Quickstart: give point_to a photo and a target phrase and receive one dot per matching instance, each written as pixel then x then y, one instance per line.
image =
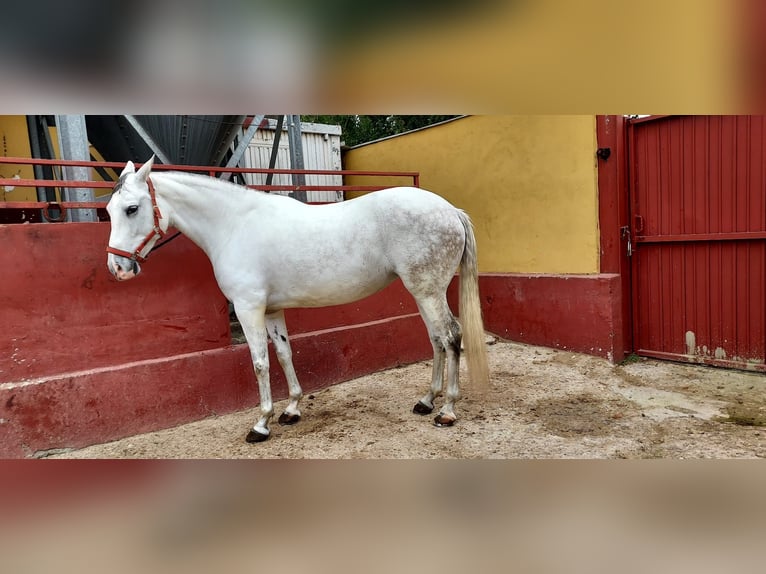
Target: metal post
pixel 35 144
pixel 236 156
pixel 73 144
pixel 275 149
pixel 49 172
pixel 296 155
pixel 225 144
pixel 158 152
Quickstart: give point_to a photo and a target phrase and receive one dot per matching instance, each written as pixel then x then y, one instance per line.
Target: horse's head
pixel 135 221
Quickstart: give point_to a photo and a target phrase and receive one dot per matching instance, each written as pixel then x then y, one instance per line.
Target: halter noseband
pixel 155 232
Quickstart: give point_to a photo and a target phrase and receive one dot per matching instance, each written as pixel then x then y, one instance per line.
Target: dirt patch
pixel 543 403
pixel 580 415
pixel 748 416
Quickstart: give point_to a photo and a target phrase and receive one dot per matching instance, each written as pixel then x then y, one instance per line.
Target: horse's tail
pixel 470 311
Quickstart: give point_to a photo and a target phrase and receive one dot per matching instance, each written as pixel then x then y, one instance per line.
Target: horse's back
pixel 405 207
pixel 403 198
pixel 384 219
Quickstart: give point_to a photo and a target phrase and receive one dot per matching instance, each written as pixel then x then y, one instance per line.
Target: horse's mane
pixel 209 183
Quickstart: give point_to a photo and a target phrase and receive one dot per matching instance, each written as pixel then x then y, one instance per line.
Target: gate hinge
pixel 604 153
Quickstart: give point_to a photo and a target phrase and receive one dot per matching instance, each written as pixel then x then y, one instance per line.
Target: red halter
pixel 155 232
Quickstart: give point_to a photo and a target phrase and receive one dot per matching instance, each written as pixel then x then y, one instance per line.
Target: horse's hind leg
pixel 275 325
pixel 446 416
pixel 426 405
pixel 446 337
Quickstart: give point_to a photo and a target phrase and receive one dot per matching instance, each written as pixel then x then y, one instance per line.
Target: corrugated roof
pixel 185 140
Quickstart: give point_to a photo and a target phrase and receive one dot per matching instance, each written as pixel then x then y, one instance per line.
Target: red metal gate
pixel 698 225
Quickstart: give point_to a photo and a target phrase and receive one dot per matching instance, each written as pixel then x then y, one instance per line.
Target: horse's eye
pixel 131 209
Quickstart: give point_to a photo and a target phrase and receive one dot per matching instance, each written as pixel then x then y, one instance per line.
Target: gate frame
pixel 614 218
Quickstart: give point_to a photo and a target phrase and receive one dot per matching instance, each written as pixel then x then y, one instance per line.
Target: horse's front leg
pixel 253 323
pixel 277 330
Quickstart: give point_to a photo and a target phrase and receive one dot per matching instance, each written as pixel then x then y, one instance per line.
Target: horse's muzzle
pixel 123 269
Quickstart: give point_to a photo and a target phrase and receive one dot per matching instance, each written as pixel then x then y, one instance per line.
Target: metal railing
pixel 62 206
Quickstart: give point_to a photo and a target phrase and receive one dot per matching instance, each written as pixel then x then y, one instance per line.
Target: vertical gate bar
pixel 43 193
pixel 688 288
pixel 729 302
pixel 757 211
pixel 660 192
pixel 296 156
pixel 634 262
pixel 742 250
pixel 705 220
pixel 34 144
pixel 47 150
pixel 275 148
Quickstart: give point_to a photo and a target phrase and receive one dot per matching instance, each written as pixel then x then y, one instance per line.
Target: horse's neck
pixel 198 209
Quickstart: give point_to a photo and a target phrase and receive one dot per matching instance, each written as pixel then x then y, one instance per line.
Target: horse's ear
pixel 129 168
pixel 144 170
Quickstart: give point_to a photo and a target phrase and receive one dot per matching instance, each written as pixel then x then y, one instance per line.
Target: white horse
pixel 271 252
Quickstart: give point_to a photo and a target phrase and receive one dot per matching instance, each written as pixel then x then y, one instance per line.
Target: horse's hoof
pixel 421 408
pixel 255 436
pixel 444 420
pixel 288 419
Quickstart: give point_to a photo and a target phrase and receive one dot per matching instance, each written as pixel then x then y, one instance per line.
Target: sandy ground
pixel 543 403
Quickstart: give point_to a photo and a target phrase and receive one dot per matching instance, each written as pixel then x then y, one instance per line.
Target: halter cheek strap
pixel 156 231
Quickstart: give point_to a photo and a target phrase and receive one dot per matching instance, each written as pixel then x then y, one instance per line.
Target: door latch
pixel 625 234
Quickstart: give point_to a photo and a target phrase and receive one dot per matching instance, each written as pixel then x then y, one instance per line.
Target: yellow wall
pixel 15 143
pixel 528 182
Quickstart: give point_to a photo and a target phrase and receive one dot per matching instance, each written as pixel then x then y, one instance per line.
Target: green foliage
pixel 630 359
pixel 361 129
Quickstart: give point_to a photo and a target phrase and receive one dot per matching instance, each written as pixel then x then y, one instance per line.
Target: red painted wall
pixel 77 409
pixel 62 311
pixel 579 313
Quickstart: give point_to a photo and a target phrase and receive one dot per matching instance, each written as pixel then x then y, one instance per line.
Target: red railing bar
pixel 54 183
pixel 212 171
pixel 44 204
pixel 102 204
pixel 205 169
pixel 110 184
pixel 286 171
pixel 61 162
pixel 316 187
pixel 692 237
